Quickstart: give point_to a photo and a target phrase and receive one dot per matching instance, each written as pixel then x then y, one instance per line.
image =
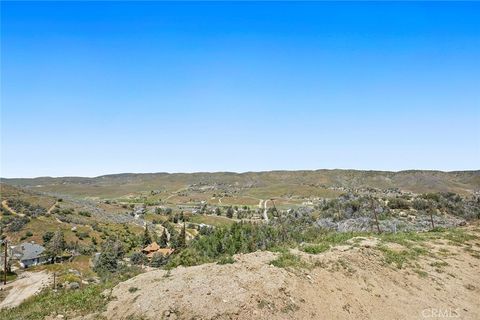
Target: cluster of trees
pixel 170 237
pixel 243 237
pixel 352 206
pixel 108 261
pixel 244 212
pixel 158 259
pixel 13 223
pixel 63 211
pixel 163 211
pixel 453 204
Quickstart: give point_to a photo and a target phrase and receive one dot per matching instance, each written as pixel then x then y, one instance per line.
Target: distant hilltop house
pixel 154 248
pixel 28 254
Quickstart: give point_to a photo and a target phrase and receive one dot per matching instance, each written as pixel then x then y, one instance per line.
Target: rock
pixel 73 285
pixel 73 271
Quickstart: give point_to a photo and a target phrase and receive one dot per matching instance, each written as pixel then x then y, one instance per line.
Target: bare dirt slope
pixel 23 288
pixel 347 282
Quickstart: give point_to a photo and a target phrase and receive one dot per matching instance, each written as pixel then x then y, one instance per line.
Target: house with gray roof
pixel 29 254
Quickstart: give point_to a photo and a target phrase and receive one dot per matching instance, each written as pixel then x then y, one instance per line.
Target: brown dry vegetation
pixel 260 184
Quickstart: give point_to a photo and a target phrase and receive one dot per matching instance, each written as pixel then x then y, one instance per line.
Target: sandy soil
pixel 28 284
pixel 347 282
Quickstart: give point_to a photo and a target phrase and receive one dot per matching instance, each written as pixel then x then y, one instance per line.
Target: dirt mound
pixel 351 282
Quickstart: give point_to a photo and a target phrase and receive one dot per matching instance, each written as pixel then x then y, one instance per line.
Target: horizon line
pixel 239 172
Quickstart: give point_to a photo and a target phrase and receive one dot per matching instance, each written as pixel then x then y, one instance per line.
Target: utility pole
pixel 184 233
pixel 431 218
pixel 5 243
pixel 375 214
pixel 275 208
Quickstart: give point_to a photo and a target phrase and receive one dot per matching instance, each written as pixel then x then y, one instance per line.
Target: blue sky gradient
pixel 91 88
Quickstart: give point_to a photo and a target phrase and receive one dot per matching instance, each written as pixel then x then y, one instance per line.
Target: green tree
pixel 158 260
pixel 47 236
pixel 163 241
pixel 138 258
pixel 230 212
pixel 112 251
pixel 147 238
pixel 182 238
pixel 56 245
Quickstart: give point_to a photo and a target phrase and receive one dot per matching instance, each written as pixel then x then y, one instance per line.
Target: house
pixel 28 254
pixel 153 248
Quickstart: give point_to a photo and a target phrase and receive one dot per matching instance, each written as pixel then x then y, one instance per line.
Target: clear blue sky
pixel 101 87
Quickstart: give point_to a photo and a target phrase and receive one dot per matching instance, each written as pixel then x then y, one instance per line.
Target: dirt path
pixel 174 193
pixel 24 287
pixel 5 205
pixel 260 202
pixel 265 215
pixel 52 207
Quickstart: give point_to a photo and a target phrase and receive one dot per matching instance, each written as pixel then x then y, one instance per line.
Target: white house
pixel 29 254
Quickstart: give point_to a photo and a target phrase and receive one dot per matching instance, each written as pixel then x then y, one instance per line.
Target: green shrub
pixel 289 260
pixel 226 260
pixel 398 203
pixel 138 258
pixel 85 213
pixel 315 249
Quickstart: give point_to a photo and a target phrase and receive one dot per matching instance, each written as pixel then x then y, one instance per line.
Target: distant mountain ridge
pixel 418 181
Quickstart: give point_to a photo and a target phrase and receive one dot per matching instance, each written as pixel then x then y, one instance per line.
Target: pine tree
pixel 182 238
pixel 56 245
pixel 163 241
pixel 230 212
pixel 147 239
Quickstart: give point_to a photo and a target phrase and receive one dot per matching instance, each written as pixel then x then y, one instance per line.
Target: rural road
pixel 265 215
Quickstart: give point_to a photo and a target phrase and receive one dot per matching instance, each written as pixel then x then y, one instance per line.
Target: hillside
pixel 415 275
pixel 280 244
pixel 352 280
pixel 275 183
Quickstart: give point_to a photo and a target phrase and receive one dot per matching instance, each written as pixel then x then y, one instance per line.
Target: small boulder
pixel 73 285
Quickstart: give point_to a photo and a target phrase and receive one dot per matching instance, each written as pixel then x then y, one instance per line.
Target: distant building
pixel 28 254
pixel 153 248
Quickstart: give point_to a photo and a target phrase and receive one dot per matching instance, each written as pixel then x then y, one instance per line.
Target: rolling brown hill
pixel 116 185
